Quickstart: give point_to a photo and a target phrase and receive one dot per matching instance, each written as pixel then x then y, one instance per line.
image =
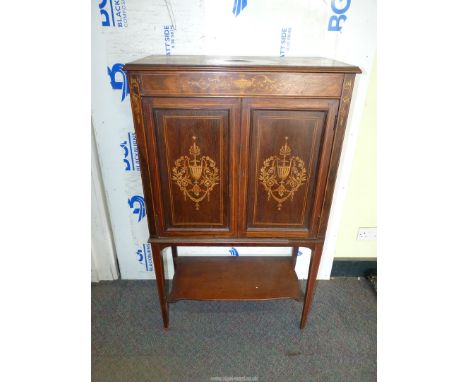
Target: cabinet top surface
pixel 242 63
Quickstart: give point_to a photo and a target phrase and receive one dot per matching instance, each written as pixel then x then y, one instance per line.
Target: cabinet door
pixel 193 156
pixel 286 153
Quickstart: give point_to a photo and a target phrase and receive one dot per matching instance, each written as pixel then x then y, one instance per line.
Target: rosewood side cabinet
pixel 238 151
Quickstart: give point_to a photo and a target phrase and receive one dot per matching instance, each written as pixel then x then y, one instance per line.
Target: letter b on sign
pixel 334 23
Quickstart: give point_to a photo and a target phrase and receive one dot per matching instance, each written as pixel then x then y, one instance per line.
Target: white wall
pixel 263 27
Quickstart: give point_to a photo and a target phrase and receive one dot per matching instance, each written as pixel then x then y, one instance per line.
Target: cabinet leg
pixel 159 269
pixel 174 254
pixel 295 250
pixel 311 281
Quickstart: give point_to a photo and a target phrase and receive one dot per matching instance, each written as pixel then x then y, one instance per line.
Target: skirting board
pixel 354 267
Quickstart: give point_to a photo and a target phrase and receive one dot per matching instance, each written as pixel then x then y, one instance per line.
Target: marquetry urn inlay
pixel 282 175
pixel 196 176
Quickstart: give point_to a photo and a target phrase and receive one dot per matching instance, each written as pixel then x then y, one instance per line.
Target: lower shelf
pixel 234 278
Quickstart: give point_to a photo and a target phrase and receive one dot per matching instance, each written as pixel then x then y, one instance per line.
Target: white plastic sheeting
pixel 123 31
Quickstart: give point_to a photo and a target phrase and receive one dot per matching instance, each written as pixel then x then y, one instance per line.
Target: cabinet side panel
pixel 141 136
pixel 336 151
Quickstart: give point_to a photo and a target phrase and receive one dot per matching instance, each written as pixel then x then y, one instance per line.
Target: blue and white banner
pixel 285 41
pixel 130 153
pixel 239 6
pixel 118 79
pixel 145 257
pixel 169 39
pixel 339 9
pixel 123 31
pixel 137 204
pixel 113 13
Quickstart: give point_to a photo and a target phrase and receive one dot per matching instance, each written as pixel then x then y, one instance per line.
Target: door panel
pixel 283 156
pixel 286 145
pixel 195 152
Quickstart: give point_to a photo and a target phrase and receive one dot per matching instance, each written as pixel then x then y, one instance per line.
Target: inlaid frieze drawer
pixel 241 84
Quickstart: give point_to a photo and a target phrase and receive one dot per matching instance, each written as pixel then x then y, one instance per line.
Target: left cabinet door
pixel 193 155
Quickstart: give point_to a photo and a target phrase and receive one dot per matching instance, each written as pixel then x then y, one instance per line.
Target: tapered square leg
pixel 311 281
pixel 295 250
pixel 174 255
pixel 159 270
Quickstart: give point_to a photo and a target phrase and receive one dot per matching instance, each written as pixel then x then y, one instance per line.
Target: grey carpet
pixel 233 339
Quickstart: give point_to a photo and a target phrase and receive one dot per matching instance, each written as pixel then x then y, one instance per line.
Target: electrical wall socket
pixel 367 233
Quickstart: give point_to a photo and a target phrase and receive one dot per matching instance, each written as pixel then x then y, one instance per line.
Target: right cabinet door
pixel 286 147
